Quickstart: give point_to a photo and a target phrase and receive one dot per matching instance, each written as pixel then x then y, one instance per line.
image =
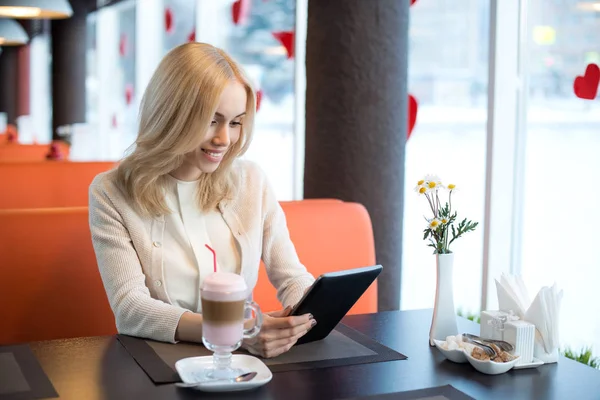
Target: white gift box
pixel 490 324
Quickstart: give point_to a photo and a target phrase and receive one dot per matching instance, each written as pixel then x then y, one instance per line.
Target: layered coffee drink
pixel 224 305
pixel 223 297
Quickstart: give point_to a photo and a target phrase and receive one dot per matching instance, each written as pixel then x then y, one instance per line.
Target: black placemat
pixel 446 392
pixel 21 375
pixel 344 346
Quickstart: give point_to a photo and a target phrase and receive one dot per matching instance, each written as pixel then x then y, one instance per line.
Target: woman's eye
pixel 236 124
pixel 213 123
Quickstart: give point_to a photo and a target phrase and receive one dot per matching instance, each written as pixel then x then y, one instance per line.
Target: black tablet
pixel 331 297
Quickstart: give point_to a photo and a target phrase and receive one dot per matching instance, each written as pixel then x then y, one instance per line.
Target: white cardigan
pixel 129 251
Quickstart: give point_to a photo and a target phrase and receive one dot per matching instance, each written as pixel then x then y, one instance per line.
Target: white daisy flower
pixel 432 182
pixel 434 224
pixel 421 189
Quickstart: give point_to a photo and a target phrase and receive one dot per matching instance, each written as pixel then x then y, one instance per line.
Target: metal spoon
pixel 489 350
pixel 500 343
pixel 242 378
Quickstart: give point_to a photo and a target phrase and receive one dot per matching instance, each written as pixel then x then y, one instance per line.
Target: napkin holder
pixel 521 334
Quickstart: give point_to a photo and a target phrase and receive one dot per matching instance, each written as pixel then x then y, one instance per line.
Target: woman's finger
pixel 286 322
pixel 275 344
pixel 297 329
pixel 271 348
pixel 280 313
pixel 270 353
pixel 270 334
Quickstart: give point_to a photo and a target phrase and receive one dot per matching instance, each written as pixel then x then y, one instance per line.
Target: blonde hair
pixel 175 114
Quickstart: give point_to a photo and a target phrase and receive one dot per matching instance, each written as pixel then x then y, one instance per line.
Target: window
pixel 561 197
pixel 253 43
pixel 545 196
pixel 448 69
pixel 111 92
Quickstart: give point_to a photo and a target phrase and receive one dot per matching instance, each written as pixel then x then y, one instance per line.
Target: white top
pixel 186 260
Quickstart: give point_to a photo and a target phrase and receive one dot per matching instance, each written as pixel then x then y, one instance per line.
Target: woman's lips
pixel 213 155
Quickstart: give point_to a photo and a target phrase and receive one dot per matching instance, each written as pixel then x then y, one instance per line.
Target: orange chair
pixel 14 152
pixel 47 184
pixel 329 235
pixel 51 288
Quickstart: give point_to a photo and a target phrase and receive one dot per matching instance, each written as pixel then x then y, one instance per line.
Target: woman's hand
pixel 279 333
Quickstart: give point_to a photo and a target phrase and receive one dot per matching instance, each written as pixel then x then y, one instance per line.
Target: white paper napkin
pixel 543 312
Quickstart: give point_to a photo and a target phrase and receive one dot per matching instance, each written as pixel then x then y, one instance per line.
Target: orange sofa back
pixel 50 286
pixel 329 235
pixel 47 184
pixel 15 152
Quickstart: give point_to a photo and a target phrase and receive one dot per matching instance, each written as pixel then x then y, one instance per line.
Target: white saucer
pixel 190 371
pixel 533 364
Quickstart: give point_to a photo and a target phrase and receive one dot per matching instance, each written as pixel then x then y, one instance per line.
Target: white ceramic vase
pixel 443 323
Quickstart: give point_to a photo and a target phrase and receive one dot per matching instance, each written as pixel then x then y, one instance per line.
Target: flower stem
pixel 431 205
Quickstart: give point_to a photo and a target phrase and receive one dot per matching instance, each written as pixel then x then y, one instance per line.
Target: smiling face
pixel 224 132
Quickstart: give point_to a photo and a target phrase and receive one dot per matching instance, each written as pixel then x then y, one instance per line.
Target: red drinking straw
pixel 214 257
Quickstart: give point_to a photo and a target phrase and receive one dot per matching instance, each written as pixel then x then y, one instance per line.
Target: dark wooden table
pixel 100 368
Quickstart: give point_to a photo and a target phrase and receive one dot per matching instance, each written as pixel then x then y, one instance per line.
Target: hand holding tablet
pixel 331 297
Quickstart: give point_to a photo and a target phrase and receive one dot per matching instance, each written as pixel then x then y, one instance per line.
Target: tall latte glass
pixel 224 306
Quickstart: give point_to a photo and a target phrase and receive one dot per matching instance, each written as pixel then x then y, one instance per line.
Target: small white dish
pixel 457 355
pixel 490 367
pixel 190 370
pixel 536 362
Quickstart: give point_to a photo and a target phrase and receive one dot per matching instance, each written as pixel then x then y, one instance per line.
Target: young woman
pixel 183 186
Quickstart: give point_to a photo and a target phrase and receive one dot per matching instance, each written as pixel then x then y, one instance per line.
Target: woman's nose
pixel 222 136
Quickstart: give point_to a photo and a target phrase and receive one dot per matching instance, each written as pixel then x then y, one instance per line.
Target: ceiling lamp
pixel 12 33
pixel 35 9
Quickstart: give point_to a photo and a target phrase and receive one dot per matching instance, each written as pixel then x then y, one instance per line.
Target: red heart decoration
pixel 168 20
pixel 412 2
pixel 192 36
pixel 259 95
pixel 123 45
pixel 586 87
pixel 128 93
pixel 240 10
pixel 11 133
pixel 54 153
pixel 413 108
pixel 286 38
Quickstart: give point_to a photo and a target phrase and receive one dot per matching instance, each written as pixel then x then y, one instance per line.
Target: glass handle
pixel 252 332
